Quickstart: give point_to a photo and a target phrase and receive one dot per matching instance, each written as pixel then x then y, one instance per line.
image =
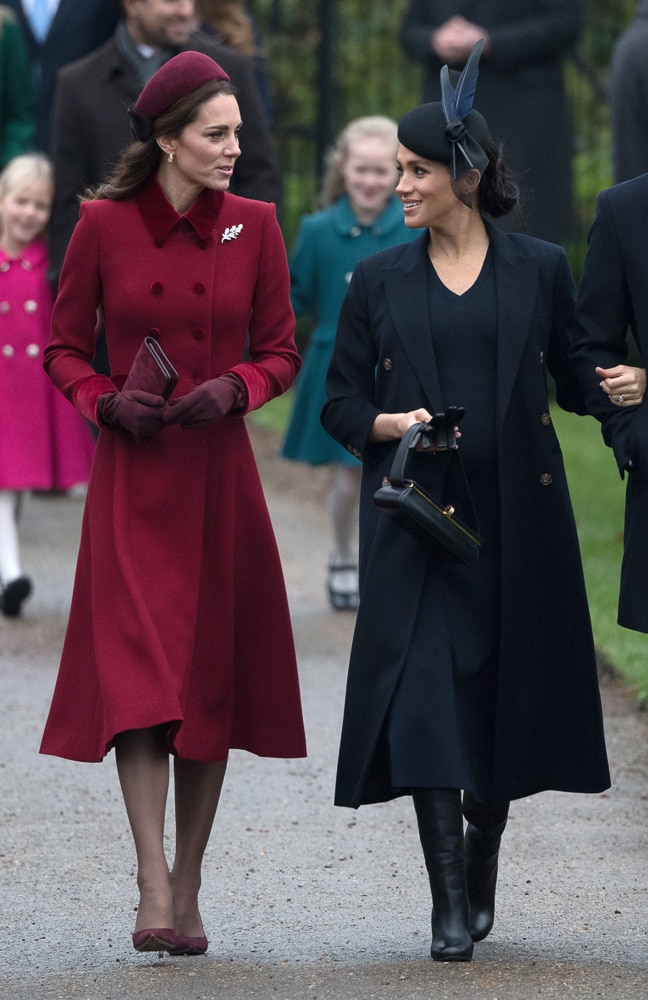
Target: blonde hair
pixel 24 170
pixel 371 126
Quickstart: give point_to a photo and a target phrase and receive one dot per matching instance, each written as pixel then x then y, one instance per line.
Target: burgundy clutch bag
pixel 151 370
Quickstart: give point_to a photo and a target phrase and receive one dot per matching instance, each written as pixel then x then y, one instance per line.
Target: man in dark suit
pixel 72 29
pixel 90 126
pixel 613 299
pixel 521 89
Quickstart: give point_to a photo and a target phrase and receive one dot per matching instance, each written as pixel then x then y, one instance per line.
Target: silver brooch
pixel 231 232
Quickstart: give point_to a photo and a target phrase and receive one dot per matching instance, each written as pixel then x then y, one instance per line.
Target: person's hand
pixel 392 427
pixel 455 39
pixel 206 404
pixel 624 384
pixel 140 413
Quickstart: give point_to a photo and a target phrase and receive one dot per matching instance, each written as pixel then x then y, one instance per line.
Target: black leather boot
pixel 440 823
pixel 482 843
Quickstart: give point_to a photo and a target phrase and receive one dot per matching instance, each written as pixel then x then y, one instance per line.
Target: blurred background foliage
pixel 369 74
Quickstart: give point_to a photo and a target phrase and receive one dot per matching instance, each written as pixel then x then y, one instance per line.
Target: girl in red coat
pixel 179 641
pixel 44 444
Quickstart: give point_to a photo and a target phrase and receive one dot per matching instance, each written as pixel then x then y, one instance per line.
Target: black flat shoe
pixel 14 594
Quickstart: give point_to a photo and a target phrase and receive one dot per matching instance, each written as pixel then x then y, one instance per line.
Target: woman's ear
pixel 466 187
pixel 166 145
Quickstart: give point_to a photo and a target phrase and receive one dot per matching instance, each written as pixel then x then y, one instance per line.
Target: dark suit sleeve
pixel 72 168
pixel 569 394
pixel 603 315
pixel 547 34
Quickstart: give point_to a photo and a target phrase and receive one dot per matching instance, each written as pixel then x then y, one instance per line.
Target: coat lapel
pixel 516 279
pixel 407 300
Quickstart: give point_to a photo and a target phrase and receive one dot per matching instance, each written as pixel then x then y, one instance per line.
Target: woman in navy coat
pixel 482 678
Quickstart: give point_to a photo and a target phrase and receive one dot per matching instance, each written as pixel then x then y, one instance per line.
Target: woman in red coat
pixel 179 640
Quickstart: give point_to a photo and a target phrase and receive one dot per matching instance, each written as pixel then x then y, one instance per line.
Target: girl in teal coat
pixel 16 97
pixel 361 215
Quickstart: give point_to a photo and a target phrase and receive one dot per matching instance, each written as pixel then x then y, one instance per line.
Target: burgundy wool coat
pixel 179 615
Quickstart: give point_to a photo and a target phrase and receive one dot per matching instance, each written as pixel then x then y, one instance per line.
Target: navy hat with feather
pixel 450 130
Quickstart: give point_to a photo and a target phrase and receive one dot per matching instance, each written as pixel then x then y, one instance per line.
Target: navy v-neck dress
pixel 440 725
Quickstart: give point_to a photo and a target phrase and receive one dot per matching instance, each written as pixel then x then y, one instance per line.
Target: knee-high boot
pixel 486 824
pixel 440 823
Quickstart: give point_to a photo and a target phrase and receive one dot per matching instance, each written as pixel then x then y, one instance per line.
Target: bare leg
pixel 143 769
pixel 197 791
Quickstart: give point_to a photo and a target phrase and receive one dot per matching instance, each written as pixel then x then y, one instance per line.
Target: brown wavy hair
pixel 141 160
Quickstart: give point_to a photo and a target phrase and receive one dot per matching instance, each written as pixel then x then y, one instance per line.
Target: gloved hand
pixel 207 403
pixel 140 413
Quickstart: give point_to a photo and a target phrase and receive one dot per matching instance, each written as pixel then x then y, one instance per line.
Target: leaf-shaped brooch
pixel 231 232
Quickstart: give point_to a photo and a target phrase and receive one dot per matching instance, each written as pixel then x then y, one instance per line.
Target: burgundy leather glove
pixel 207 403
pixel 140 413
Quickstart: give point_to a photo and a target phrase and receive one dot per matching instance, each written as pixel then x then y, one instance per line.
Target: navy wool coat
pixel 613 300
pixel 548 721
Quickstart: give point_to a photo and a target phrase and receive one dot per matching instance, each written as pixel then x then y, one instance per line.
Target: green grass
pixel 598 495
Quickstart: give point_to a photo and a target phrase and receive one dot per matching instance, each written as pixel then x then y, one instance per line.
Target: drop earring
pixel 170 157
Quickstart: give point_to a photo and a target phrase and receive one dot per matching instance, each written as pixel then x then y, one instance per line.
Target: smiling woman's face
pixel 425 189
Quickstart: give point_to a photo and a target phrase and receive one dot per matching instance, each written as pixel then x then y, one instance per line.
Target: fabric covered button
pixel 199 288
pixel 30 306
pixel 158 243
pixel 197 378
pixel 546 479
pixel 157 287
pixel 154 332
pixel 4 267
pixel 199 333
pixel 356 231
pixel 26 265
pixel 545 419
pixel 387 364
pixel 7 351
pixel 4 307
pixel 32 350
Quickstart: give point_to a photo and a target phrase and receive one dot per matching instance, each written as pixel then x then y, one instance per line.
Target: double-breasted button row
pixel 25 264
pixel 545 419
pixel 387 364
pixel 30 306
pixel 32 350
pixel 157 288
pixel 546 479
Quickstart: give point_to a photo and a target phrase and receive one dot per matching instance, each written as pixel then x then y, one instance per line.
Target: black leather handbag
pixel 432 521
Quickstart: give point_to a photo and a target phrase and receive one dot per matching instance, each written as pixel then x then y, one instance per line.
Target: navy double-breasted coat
pixel 548 724
pixel 612 301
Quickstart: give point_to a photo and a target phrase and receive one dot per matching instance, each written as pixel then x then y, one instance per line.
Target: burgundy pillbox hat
pixel 181 75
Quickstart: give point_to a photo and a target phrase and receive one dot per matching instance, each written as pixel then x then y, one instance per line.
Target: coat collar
pixel 34 255
pixel 516 279
pixel 346 224
pixel 161 218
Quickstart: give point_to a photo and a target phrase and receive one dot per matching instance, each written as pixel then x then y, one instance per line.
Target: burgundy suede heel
pixel 189 945
pixel 155 939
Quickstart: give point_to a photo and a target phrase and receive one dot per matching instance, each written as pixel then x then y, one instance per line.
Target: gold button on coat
pixel 387 364
pixel 545 419
pixel 546 479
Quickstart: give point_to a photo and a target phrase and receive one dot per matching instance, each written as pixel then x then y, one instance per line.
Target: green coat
pixel 16 95
pixel 328 246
